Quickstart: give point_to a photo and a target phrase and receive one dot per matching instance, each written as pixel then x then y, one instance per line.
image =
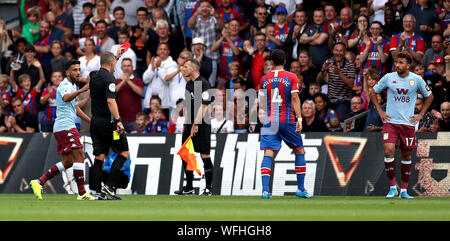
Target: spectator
pixel 236 81
pixel 64 17
pixel 156 125
pixel 58 62
pixel 241 110
pixel 88 12
pixel 292 43
pixel 444 123
pixel 129 90
pixel 204 24
pixel 48 100
pixel 446 18
pixel 377 8
pixel 163 36
pixel 42 46
pixel 331 15
pixel 28 67
pixel 310 123
pixel 408 40
pixel 206 63
pixel 30 30
pixel 87 32
pixel 139 38
pixel 219 124
pixel 5 95
pixel 176 124
pixel 335 125
pixel 254 59
pixel 427 120
pixel 261 14
pixel 101 12
pixel 80 16
pixel 392 25
pixel 364 10
pixel 357 86
pixel 26 92
pixel 90 61
pixel 70 46
pixel 130 7
pixel 375 49
pixel 272 42
pixel 343 31
pixel 22 121
pixel 118 23
pixel 371 77
pixel 157 79
pixel 323 108
pixel 268 66
pixel 313 89
pixel 150 5
pixel 316 36
pixel 398 11
pixel 356 108
pixel 230 46
pixel 184 10
pixel 435 51
pixel 141 118
pixel 124 36
pixel 17 47
pixel 228 11
pixel 308 71
pixel 428 22
pixel 290 6
pixel 177 85
pixel 3 117
pixel 361 32
pixel 282 26
pixel 339 74
pixel 106 42
pixel 373 120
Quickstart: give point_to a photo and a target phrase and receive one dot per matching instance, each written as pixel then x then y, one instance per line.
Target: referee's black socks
pixel 207 164
pixel 115 170
pixel 97 176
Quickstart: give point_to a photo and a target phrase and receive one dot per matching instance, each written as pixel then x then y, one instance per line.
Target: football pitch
pixel 58 207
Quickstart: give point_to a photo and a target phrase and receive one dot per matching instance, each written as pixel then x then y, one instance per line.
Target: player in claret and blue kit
pixel 399 119
pixel 283 121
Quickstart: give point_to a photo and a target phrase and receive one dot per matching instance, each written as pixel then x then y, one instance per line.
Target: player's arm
pixel 82 115
pixel 114 109
pixel 295 99
pixel 380 86
pixel 70 96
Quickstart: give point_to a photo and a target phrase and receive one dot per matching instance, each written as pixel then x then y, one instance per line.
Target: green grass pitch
pixel 223 208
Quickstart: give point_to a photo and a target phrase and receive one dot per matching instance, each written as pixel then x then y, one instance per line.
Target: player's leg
pixel 294 140
pixel 78 173
pixel 407 145
pixel 266 169
pixel 390 140
pixel 389 165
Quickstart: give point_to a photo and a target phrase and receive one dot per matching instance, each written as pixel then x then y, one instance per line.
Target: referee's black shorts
pixel 202 140
pixel 102 137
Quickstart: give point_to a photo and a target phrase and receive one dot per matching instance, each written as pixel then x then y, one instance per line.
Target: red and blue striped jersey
pixel 281 33
pixel 277 86
pixel 7 96
pixel 373 57
pixel 29 99
pixel 50 106
pixel 233 12
pixel 227 56
pixel 416 43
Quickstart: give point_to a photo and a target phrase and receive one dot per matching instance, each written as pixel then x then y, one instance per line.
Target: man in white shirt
pixel 124 36
pixel 158 76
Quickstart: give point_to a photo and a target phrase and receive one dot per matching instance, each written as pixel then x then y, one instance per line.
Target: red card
pixel 125 46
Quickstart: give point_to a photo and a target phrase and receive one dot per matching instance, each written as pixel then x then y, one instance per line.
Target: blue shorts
pixel 286 132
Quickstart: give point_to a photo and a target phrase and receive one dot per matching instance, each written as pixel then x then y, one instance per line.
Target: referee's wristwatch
pixel 115 121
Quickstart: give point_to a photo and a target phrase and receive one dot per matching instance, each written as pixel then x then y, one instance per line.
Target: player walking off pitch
pixel 66 133
pixel 399 119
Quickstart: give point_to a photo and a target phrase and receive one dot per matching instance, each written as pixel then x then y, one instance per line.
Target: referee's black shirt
pixel 102 86
pixel 205 97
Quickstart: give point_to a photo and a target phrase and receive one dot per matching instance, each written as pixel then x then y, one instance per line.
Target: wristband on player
pixel 299 119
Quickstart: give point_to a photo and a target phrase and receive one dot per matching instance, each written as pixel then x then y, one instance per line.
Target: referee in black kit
pixel 196 127
pixel 106 128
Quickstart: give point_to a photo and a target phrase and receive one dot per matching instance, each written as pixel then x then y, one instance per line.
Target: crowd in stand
pixel 333 47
